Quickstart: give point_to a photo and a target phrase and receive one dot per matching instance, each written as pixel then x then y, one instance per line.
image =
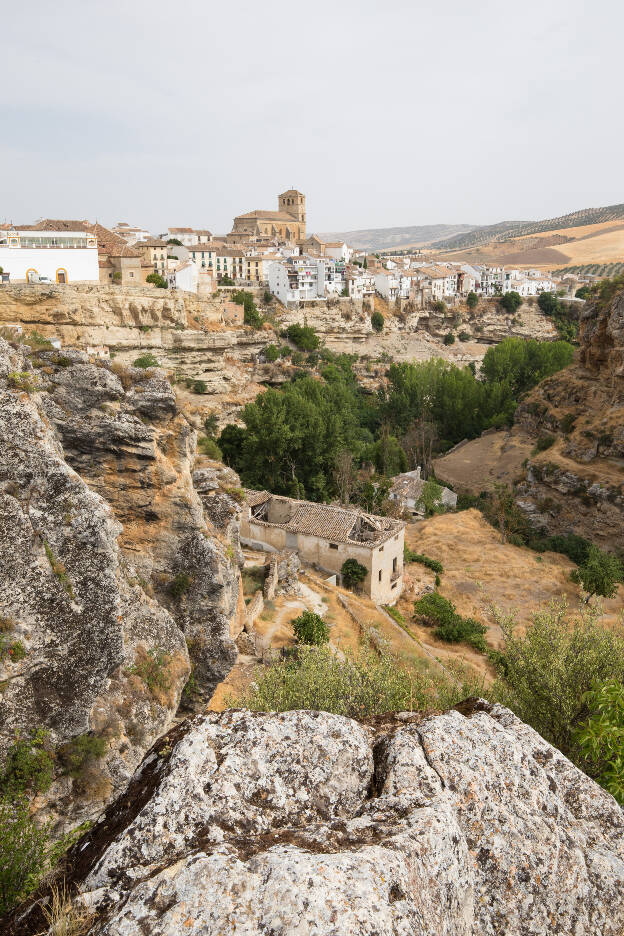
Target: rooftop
pixel 267 215
pixel 338 524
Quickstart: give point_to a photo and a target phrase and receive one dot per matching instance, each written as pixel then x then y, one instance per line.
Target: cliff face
pixel 305 822
pixel 195 337
pixel 577 484
pixel 116 577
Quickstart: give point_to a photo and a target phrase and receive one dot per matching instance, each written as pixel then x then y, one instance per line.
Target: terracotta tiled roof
pixel 181 231
pixel 257 497
pixel 111 244
pixel 52 224
pixel 153 242
pixel 335 524
pixel 267 216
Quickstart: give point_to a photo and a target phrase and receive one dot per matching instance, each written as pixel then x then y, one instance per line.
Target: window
pixel 333 545
pixel 394 585
pixel 380 575
pixel 394 564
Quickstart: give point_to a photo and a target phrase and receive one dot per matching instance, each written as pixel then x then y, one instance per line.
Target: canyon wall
pixel 119 578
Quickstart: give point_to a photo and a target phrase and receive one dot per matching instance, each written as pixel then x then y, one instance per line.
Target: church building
pixel 288 223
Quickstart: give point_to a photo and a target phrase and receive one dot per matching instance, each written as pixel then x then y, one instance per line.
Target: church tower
pixel 293 203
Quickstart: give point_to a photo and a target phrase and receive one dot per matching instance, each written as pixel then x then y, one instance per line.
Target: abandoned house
pixel 328 536
pixel 407 490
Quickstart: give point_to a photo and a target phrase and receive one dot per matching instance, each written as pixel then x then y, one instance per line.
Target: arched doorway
pixel 61 275
pixel 29 275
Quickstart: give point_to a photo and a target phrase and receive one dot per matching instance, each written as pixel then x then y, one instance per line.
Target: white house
pixel 338 250
pixel 392 284
pixel 361 284
pixel 185 276
pixel 58 256
pixel 130 234
pixel 189 236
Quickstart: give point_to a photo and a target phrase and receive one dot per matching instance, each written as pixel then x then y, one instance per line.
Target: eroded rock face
pixel 577 485
pixel 310 823
pixel 114 580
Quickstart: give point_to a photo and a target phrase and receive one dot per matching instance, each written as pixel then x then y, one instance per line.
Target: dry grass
pixel 480 571
pixel 65 915
pixel 481 463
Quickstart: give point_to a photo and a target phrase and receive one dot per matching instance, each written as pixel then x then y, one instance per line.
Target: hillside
pixel 573 481
pixel 506 231
pixel 394 237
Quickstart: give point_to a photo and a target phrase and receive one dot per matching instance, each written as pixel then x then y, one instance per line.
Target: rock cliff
pixel 196 337
pixel 117 575
pixel 577 483
pixel 461 824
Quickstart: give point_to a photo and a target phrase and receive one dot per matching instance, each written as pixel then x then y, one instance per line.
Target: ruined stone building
pixel 328 536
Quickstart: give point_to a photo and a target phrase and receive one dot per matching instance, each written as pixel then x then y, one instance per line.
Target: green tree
pixel 377 321
pixel 472 300
pixel 583 292
pixel 157 280
pixel 311 629
pixel 431 497
pixel 175 242
pixel 303 337
pixel 353 573
pixel 231 443
pixel 271 353
pixel 365 264
pixel 600 738
pixel 546 672
pixel 511 302
pixel 599 574
pixel 449 338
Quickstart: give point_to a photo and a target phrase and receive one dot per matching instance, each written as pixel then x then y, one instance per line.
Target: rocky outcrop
pixel 116 575
pixel 461 824
pixel 602 338
pixel 577 484
pixel 190 335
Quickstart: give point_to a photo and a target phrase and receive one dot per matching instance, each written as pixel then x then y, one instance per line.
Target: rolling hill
pixel 393 238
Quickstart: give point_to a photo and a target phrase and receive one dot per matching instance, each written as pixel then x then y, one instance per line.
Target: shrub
pixel 377 321
pixel 29 765
pixel 439 306
pixel 200 386
pixel 157 280
pixel 472 300
pixel 546 673
pixel 226 280
pixel 209 448
pixel 571 545
pixel 297 358
pixel 464 336
pixel 180 584
pixel 117 276
pixel 566 423
pixel 152 668
pixel 543 442
pixel 353 573
pixel 433 564
pixel 80 753
pixel 311 629
pixel 600 739
pixel 146 360
pixel 22 380
pixel 267 297
pixel 23 851
pixel 303 337
pixel 58 569
pixel 449 338
pixel 271 353
pixel 449 625
pixel 355 685
pixel 582 293
pixel 599 573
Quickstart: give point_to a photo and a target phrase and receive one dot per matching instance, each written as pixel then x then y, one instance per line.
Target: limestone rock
pixel 109 563
pixel 310 823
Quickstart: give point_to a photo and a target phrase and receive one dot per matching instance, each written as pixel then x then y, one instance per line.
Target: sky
pixel 188 112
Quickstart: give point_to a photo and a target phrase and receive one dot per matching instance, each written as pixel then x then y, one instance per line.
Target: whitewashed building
pixel 185 276
pixel 30 256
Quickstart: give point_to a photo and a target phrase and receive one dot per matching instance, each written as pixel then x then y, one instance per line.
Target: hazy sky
pixel 187 112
